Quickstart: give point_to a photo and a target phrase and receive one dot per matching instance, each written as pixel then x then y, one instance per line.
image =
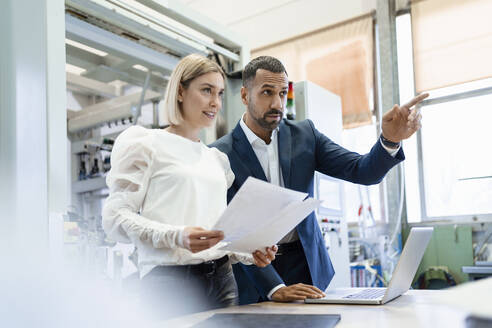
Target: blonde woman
pixel 167 189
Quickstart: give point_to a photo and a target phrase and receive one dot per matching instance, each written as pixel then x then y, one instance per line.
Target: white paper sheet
pixel 260 214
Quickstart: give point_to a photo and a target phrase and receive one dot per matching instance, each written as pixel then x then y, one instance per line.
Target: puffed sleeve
pixel 226 165
pixel 243 258
pixel 131 169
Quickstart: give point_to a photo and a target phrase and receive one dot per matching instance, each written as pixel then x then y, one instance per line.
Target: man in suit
pixel 287 153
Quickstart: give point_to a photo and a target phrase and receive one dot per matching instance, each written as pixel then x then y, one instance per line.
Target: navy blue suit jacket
pixel 302 151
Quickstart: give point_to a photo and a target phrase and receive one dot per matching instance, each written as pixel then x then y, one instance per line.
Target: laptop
pixel 400 281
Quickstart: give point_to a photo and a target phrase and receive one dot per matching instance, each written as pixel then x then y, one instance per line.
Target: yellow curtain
pixel 338 58
pixel 452 41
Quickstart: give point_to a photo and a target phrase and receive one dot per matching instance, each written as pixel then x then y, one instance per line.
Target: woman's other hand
pixel 263 259
pixel 197 239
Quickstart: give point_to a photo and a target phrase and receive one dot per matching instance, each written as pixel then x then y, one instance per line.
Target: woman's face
pixel 202 100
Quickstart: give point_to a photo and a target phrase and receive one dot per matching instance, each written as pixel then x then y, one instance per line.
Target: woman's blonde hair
pixel 188 69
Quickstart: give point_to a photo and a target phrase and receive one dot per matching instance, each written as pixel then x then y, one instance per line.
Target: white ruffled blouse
pixel 160 183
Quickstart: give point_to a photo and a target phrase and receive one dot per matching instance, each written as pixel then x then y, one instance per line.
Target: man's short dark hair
pixel 268 63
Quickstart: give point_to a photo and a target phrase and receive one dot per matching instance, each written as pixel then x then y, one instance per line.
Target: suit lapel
pixel 245 151
pixel 285 152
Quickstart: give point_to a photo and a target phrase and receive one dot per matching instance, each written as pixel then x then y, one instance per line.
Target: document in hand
pixel 260 214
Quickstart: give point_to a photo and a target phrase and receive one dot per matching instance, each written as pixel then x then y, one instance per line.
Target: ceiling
pixel 262 22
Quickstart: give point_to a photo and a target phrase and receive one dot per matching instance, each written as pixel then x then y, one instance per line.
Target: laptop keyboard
pixel 367 294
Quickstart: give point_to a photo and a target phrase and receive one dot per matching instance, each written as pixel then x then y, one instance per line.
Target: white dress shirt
pixel 268 157
pixel 160 183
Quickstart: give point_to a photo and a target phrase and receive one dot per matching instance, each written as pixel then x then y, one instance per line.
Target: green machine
pixel 449 250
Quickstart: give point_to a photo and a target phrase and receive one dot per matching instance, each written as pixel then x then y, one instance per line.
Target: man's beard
pixel 262 121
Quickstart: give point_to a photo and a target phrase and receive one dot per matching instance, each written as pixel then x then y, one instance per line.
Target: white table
pixel 416 308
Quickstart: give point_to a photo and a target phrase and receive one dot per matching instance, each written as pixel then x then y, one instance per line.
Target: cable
pixel 375 273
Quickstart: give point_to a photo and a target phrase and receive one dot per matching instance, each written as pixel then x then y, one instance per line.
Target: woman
pixel 167 189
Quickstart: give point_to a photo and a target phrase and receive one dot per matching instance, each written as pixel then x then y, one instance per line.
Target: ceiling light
pixel 140 67
pixel 74 69
pixel 86 48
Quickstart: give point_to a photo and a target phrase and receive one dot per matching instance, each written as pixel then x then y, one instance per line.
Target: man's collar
pixel 250 135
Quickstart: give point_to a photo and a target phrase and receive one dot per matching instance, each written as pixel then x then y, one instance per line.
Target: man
pixel 287 153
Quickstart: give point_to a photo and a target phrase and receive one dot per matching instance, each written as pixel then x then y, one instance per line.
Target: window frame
pixel 424 217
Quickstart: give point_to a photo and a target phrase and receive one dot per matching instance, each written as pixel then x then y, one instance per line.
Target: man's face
pixel 265 98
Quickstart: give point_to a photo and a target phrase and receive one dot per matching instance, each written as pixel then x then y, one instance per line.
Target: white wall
pixel 263 22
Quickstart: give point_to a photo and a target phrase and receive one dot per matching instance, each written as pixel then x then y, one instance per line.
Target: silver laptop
pixel 400 282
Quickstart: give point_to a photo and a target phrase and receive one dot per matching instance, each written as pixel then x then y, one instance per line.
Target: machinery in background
pixel 290 107
pixel 368 247
pixel 95 160
pixel 113 45
pixel 366 269
pixel 85 242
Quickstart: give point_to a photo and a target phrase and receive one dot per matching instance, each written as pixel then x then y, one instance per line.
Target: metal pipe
pixel 183 14
pixel 111 16
pixel 138 111
pixel 227 53
pixel 155 111
pixel 109 42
